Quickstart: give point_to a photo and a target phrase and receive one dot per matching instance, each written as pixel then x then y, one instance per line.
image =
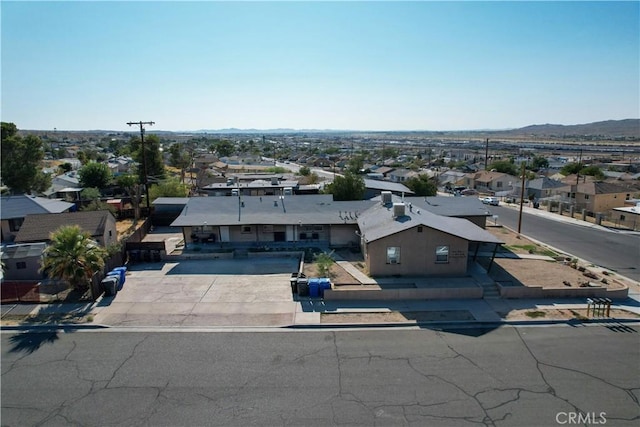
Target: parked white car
pixel 490 201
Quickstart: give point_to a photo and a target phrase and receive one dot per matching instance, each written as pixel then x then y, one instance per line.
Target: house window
pixel 628 196
pixel 393 255
pixel 21 265
pixel 246 229
pixel 442 254
pixel 622 218
pixel 419 229
pixel 499 184
pixel 14 224
pixel 110 233
pixel 586 197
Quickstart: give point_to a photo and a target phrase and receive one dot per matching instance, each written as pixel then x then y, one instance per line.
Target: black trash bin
pixel 303 286
pixel 110 285
pixel 293 281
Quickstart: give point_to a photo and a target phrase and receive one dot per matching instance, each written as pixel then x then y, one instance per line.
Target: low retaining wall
pixel 403 294
pixel 516 292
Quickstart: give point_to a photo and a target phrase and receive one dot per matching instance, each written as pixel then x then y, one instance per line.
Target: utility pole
pixel 144 158
pixel 521 199
pixel 486 155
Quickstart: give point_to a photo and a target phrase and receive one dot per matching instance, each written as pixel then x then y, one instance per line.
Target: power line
pixel 144 158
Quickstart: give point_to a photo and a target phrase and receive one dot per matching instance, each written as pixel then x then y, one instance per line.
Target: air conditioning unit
pixel 398 210
pixel 386 197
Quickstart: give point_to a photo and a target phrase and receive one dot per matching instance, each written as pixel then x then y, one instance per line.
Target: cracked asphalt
pixel 493 377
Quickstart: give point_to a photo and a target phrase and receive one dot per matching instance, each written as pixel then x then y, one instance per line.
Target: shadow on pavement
pixel 30 341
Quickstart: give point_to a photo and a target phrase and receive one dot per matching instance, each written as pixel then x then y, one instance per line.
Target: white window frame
pixel 442 254
pixel 393 254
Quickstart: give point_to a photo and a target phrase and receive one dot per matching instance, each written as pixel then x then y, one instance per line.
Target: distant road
pixel 294 167
pixel 619 252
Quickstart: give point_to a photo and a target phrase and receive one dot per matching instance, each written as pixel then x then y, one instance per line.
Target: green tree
pixel 72 256
pixel 355 164
pixel 153 158
pixel 422 185
pixel 304 171
pixel 65 167
pixel 133 188
pixel 181 158
pixel 223 148
pixel 504 166
pixel 324 261
pixel 95 204
pixel 539 162
pixel 168 188
pixel 97 175
pixel 21 159
pixel 347 187
pixel 593 170
pixel 9 130
pixel 571 168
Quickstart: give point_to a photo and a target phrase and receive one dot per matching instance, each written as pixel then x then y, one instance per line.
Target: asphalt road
pixel 617 251
pixel 502 377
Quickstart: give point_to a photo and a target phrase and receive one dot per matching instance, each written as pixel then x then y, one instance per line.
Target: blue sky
pixel 321 65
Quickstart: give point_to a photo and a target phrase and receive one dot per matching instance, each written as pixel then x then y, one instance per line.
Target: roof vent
pixel 398 210
pixel 386 197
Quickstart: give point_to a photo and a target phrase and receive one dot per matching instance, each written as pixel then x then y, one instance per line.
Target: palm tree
pixel 73 256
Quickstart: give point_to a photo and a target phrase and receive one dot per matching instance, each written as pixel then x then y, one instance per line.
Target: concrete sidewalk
pixel 304 313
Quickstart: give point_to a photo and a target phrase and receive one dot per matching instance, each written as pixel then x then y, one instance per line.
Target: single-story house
pixel 490 182
pixel 320 221
pixel 13 210
pixel 256 220
pixel 101 226
pixel 628 216
pixel 374 187
pixel 597 196
pixel 22 262
pixel 397 239
pixel 539 188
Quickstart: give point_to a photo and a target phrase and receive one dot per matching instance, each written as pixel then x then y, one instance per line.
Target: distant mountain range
pixel 608 128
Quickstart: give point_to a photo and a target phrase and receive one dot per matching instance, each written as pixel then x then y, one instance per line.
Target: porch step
pixel 490 290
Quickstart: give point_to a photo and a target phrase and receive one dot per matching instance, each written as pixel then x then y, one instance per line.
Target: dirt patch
pixel 46 318
pixel 548 274
pixel 563 314
pixel 337 274
pixel 519 244
pixel 397 317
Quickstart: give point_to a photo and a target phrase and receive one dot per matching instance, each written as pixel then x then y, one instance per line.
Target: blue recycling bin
pixel 314 288
pixel 325 283
pixel 118 277
pixel 123 273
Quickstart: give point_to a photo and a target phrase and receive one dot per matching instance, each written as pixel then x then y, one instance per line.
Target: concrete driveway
pixel 250 292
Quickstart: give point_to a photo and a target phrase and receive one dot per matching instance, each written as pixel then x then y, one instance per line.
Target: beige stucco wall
pixel 344 235
pixel 417 254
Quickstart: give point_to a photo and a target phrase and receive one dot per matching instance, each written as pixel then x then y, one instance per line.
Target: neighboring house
pixel 490 182
pixel 451 177
pixel 470 208
pixel 628 216
pixel 399 240
pixel 384 171
pixel 101 226
pixel 261 220
pixel 68 179
pixel 258 187
pixel 22 262
pixel 13 210
pixel 597 196
pixel 401 175
pixel 540 188
pixel 374 187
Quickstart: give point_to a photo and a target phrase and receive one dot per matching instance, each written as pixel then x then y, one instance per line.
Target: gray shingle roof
pixel 449 206
pixel 36 228
pixel 23 205
pixel 386 186
pixel 298 209
pixel 378 222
